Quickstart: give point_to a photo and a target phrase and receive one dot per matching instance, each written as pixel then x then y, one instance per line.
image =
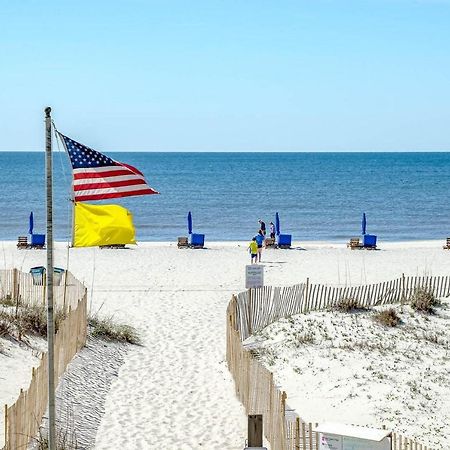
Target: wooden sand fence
pixel 22 289
pixel 253 310
pixel 23 418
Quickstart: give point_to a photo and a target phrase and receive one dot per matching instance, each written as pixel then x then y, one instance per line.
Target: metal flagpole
pixel 49 283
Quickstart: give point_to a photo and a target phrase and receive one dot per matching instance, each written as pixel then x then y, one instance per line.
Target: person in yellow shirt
pixel 253 248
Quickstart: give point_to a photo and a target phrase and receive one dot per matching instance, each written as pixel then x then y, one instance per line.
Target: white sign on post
pixel 363 444
pixel 254 276
pixel 335 436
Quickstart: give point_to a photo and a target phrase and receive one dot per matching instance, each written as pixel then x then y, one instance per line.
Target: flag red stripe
pixel 107 184
pixel 80 198
pixel 106 174
pixel 133 169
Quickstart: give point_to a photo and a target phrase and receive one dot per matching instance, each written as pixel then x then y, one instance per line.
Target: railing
pixel 253 310
pixel 23 418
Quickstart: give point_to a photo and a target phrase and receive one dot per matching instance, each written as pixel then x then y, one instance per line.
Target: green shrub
pixel 7 301
pixel 28 320
pixel 423 300
pixel 33 320
pixel 65 440
pixel 347 304
pixel 106 328
pixel 388 317
pixel 6 327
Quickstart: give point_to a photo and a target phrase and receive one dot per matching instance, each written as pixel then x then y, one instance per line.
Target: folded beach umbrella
pixel 30 231
pixel 277 224
pixel 363 224
pixel 189 218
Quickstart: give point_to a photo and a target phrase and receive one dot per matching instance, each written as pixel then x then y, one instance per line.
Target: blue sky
pixel 228 75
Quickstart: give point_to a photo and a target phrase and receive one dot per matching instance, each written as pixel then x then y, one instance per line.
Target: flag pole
pixel 49 282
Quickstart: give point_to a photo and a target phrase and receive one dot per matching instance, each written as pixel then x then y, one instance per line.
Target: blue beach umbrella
pixel 363 224
pixel 189 222
pixel 277 224
pixel 30 231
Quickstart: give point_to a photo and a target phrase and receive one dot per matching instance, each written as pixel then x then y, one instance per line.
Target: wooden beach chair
pixel 22 242
pixel 183 242
pixel 447 246
pixel 269 243
pixel 354 244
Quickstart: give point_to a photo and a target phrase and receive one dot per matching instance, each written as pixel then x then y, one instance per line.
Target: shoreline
pixel 295 243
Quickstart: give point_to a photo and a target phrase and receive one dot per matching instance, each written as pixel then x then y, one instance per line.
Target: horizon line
pixel 241 151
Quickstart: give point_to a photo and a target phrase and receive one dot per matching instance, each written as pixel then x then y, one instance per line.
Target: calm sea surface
pixel 319 196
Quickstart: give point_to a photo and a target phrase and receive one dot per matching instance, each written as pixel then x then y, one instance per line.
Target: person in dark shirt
pixel 272 230
pixel 262 227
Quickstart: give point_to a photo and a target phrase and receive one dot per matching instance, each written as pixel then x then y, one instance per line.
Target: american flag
pixel 96 176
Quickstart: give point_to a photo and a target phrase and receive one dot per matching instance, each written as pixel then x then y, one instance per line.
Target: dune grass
pixel 424 300
pixel 387 317
pixel 26 321
pixel 106 328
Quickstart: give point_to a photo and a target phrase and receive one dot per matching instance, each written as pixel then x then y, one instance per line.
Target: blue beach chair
pixel 195 240
pixel 283 240
pixel 37 240
pixel 369 241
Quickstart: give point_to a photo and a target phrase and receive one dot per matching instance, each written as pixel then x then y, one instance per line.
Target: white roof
pixel 370 434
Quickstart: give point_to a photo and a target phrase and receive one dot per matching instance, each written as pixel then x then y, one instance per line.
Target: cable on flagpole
pixel 57 138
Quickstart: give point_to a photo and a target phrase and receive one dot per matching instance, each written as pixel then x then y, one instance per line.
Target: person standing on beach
pixel 272 230
pixel 262 227
pixel 253 249
pixel 259 241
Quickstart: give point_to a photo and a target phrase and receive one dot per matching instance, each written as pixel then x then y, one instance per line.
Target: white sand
pixel 175 390
pixel 347 368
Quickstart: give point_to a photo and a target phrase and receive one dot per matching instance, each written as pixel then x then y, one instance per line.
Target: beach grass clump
pixel 304 338
pixel 33 320
pixel 347 304
pixel 267 354
pixel 6 327
pixel 106 328
pixel 65 440
pixel 387 317
pixel 424 300
pixel 7 300
pixel 28 320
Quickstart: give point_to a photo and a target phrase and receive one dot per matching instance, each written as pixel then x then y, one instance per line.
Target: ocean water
pixel 319 196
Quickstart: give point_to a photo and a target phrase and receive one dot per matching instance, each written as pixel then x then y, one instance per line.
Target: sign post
pixel 254 276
